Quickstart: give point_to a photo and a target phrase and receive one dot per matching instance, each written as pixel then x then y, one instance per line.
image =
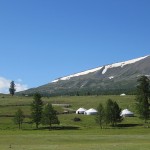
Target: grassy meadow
pixel 130 134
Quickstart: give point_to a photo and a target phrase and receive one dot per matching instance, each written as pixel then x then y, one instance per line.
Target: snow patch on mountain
pixel 111 77
pixel 122 64
pixel 147 75
pixel 78 74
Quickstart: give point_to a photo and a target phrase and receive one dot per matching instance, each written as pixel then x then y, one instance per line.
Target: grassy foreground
pixel 114 139
pixel 83 135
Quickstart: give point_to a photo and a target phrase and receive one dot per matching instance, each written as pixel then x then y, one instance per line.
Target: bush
pixel 77 119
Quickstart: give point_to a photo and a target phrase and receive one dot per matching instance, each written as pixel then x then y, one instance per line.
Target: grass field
pixel 84 135
pixel 118 139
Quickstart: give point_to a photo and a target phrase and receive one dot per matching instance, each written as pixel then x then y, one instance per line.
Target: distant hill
pixel 108 79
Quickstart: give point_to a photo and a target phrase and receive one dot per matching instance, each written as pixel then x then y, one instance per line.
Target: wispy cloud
pixel 5 84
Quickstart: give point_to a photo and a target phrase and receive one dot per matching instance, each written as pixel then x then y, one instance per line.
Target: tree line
pixel 40 114
pixel 143 98
pixel 82 92
pixel 110 114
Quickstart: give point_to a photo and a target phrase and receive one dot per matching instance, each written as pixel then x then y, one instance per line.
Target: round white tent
pixel 123 94
pixel 126 113
pixel 91 112
pixel 80 111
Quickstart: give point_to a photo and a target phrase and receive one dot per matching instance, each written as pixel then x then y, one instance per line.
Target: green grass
pixel 9 105
pixel 82 140
pixel 82 135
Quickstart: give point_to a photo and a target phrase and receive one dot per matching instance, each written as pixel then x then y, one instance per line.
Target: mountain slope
pixel 120 77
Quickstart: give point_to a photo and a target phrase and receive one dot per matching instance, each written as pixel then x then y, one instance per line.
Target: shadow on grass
pixel 56 128
pixel 128 125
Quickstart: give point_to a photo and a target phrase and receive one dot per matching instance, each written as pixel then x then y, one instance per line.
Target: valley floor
pixel 105 139
pixel 131 134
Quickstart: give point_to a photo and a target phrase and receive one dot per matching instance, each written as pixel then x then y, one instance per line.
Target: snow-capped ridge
pixel 122 64
pixel 78 74
pixel 119 64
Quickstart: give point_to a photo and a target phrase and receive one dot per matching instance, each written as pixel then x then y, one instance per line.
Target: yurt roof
pixel 123 94
pixel 91 110
pixel 81 109
pixel 126 111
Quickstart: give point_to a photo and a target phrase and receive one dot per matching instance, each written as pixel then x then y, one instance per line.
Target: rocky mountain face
pixel 118 77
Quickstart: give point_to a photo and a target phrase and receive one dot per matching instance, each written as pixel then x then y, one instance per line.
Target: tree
pixel 108 111
pixel 18 118
pixel 49 116
pixel 112 112
pixel 100 116
pixel 36 109
pixel 143 98
pixel 116 111
pixel 12 88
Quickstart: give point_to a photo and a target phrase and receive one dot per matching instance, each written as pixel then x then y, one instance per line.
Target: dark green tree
pixel 78 93
pixel 108 111
pixel 36 109
pixel 143 98
pixel 117 111
pixel 49 116
pixel 100 116
pixel 18 118
pixel 12 88
pixel 112 113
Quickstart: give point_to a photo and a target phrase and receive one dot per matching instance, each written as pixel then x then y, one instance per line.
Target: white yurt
pixel 123 94
pixel 80 111
pixel 91 112
pixel 126 113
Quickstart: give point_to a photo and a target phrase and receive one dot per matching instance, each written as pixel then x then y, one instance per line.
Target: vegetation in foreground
pixel 86 134
pixel 81 133
pixel 91 139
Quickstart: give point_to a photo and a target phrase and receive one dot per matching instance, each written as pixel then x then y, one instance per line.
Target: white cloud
pixel 21 87
pixel 5 84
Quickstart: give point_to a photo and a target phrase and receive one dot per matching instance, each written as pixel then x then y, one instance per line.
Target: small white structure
pixel 126 113
pixel 123 94
pixel 91 112
pixel 80 111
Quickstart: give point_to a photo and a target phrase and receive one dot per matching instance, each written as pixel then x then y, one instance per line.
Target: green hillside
pixel 9 105
pixel 82 135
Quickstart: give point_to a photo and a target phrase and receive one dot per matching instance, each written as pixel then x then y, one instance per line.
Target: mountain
pixel 111 79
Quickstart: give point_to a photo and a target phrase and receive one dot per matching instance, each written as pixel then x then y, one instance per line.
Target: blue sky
pixel 41 40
